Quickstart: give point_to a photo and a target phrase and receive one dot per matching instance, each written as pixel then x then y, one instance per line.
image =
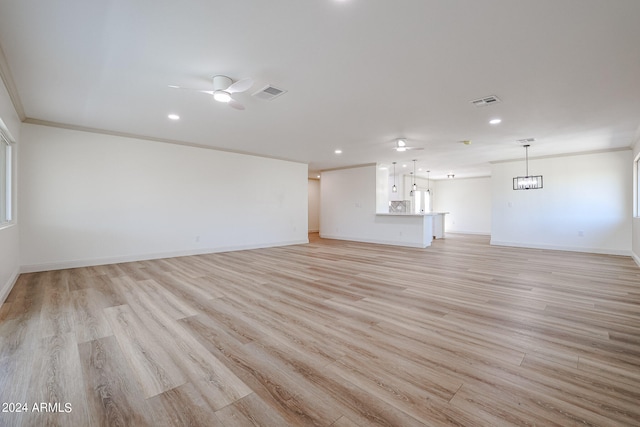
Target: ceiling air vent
pixel 487 100
pixel 269 92
pixel 525 140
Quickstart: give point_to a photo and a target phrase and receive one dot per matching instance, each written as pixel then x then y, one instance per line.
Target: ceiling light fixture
pixel 174 116
pixel 428 183
pixel 495 121
pixel 527 182
pixel 221 96
pixel 414 187
pixel 394 188
pixel 338 151
pixel 414 179
pixel 450 175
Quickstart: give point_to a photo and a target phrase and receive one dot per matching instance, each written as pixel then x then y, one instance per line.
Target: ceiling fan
pixel 223 88
pixel 401 145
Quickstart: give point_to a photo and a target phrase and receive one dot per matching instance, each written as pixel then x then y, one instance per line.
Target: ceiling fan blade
pixel 235 104
pixel 190 89
pixel 240 86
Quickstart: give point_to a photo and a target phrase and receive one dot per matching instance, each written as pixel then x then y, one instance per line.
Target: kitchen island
pixel 415 230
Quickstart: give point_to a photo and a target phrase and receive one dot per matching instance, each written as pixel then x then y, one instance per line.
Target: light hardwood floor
pixel 330 334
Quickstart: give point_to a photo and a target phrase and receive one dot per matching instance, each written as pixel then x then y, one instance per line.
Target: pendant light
pixel 527 182
pixel 394 188
pixel 415 187
pixel 428 183
pixel 411 192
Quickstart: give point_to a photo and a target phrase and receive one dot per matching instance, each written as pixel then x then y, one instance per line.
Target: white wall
pixel 9 235
pixel 348 211
pixel 314 205
pixel 348 197
pixel 89 198
pixel 468 202
pixel 585 204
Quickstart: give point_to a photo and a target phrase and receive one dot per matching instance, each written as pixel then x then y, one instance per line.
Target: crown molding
pixel 553 156
pixel 149 138
pixel 7 79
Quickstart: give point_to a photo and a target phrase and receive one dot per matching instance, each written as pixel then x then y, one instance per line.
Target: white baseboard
pixel 475 233
pixel 61 265
pixel 636 258
pixel 563 248
pixel 6 289
pixel 375 241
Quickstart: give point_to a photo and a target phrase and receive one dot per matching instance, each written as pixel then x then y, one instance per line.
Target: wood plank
pixel 150 363
pixel 250 411
pixel 54 385
pixel 89 320
pixel 114 398
pixel 183 406
pixel 216 382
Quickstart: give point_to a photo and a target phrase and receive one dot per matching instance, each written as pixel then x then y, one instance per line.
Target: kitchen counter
pixel 435 228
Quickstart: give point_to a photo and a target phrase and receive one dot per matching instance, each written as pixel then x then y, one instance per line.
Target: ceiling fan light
pixel 221 96
pixel 402 143
pixel 401 149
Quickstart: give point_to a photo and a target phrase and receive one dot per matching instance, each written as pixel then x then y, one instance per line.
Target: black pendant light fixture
pixel 415 187
pixel 428 183
pixel 527 182
pixel 394 188
pixel 411 192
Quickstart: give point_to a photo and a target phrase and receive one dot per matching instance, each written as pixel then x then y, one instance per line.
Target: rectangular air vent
pixel 269 92
pixel 487 100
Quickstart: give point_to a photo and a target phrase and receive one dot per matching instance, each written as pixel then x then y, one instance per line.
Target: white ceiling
pixel 359 73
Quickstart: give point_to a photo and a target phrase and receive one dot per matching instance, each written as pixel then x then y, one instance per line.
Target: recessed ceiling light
pixel 174 116
pixel 404 166
pixel 494 121
pixel 338 151
pixel 318 176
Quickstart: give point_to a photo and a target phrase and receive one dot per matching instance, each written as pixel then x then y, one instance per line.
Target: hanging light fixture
pixel 394 188
pixel 415 187
pixel 411 192
pixel 428 183
pixel 527 182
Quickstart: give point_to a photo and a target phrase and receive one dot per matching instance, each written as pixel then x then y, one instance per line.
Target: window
pixel 6 160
